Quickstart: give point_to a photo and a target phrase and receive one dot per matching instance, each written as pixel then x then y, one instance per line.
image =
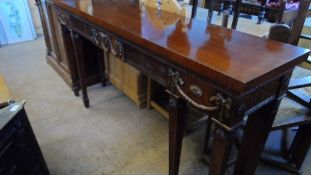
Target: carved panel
pixel 148 65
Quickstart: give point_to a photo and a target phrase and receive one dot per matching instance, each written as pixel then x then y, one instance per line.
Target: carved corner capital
pixel 106 42
pixel 64 19
pixel 224 104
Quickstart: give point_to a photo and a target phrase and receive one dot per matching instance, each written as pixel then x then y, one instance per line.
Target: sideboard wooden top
pixel 235 60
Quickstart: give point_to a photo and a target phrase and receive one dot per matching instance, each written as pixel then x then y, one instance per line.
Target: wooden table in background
pixel 224 72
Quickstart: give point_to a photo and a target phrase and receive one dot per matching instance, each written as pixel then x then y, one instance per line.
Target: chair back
pixel 280 32
pixel 295 20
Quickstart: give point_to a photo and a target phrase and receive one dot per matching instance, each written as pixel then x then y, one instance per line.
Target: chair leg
pixel 300 146
pixel 285 143
pixel 261 16
pixel 296 153
pixel 221 7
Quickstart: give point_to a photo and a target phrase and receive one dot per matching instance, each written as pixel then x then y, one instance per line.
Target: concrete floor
pixel 112 137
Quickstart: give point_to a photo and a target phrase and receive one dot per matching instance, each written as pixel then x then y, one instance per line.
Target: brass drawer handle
pixel 196 90
pixel 177 81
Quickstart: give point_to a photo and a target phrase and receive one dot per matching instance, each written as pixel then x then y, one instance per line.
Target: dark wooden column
pixel 79 58
pixel 44 26
pixel 72 63
pixel 236 14
pixel 222 144
pixel 176 128
pixel 255 135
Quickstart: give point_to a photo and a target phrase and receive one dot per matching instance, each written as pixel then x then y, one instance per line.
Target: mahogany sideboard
pixel 223 72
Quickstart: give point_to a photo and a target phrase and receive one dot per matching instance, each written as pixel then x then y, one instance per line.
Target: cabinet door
pixel 57 36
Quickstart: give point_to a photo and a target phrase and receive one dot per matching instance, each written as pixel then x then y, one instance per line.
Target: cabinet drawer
pixel 195 90
pixel 148 65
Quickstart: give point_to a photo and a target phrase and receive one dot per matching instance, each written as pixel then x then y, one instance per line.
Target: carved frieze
pixel 106 42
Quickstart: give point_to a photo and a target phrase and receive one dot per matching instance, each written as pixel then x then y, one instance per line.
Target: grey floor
pixel 112 137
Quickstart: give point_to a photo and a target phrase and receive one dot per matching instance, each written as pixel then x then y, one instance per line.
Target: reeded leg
pixel 255 136
pixel 79 58
pixel 222 144
pixel 176 128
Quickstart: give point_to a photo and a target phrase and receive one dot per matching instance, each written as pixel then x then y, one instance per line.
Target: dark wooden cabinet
pixel 20 153
pixel 57 56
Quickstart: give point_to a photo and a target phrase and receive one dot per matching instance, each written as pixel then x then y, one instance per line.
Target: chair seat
pixel 291 114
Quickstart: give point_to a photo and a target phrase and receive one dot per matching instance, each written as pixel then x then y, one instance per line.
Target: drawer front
pixel 197 90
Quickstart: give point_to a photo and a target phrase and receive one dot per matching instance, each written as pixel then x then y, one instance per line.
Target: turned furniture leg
pixel 79 57
pixel 72 66
pixel 236 14
pixel 101 65
pixel 194 8
pixel 210 11
pixel 255 136
pixel 176 127
pixel 300 146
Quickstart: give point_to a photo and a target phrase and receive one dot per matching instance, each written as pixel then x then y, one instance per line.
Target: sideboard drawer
pixel 147 64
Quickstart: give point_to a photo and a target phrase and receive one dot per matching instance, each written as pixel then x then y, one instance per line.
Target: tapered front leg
pixel 222 144
pixel 255 136
pixel 79 58
pixel 176 128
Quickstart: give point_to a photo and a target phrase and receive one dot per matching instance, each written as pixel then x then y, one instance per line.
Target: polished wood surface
pixel 224 56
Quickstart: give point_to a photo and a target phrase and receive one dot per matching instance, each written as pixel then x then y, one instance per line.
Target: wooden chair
pixel 209 4
pixel 293 154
